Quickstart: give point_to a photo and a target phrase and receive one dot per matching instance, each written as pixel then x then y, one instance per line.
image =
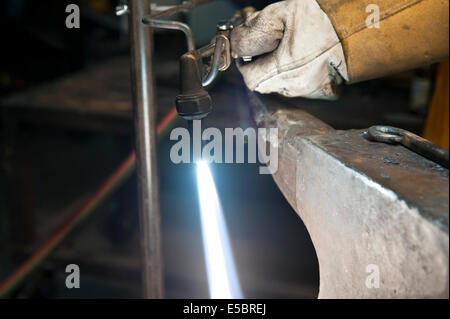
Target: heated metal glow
pixel 222 278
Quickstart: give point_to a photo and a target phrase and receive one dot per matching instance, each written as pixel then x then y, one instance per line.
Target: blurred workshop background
pixel 66 124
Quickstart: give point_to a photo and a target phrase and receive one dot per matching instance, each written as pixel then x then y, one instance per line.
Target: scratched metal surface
pixel 362 203
pixel 418 181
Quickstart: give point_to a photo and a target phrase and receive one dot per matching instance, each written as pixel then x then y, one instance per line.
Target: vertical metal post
pixel 145 128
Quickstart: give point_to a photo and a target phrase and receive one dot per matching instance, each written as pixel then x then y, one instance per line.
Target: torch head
pixel 193 102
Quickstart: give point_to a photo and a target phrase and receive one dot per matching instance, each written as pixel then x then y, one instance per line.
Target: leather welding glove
pixel 299 45
pixel 295 50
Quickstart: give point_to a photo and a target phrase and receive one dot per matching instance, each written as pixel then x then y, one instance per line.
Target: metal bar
pixel 212 75
pixel 363 203
pixel 207 50
pixel 145 127
pixel 186 5
pixel 394 135
pixel 172 25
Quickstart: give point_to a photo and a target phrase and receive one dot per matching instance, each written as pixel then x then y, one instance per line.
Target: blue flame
pixel 222 277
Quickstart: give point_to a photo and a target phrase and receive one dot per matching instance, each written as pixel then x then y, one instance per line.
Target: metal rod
pixel 394 135
pixel 212 75
pixel 145 128
pixel 186 5
pixel 172 25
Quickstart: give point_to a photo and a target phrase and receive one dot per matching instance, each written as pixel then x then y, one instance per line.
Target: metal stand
pixel 141 43
pixel 145 126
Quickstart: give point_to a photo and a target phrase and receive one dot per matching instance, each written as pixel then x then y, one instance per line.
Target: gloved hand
pixel 295 50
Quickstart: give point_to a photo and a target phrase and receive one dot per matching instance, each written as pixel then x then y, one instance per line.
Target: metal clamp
pixel 199 68
pixel 219 50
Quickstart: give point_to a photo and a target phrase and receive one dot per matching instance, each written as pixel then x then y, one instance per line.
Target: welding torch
pixel 199 68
